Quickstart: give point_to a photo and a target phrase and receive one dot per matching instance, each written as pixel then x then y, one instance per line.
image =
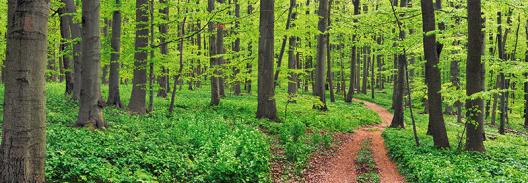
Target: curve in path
pixel 340 167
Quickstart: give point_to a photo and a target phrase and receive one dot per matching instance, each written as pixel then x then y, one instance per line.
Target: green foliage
pixel 193 145
pixel 365 164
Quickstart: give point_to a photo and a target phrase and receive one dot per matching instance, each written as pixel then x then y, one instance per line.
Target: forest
pixel 228 91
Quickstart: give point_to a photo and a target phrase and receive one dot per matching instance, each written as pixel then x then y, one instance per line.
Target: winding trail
pixel 339 166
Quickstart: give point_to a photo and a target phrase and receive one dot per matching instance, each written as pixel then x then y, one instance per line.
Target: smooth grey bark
pixel 180 70
pixel 292 60
pixel 164 48
pixel 236 49
pixel 436 118
pixel 91 104
pixel 137 102
pixel 474 79
pixel 526 83
pixel 215 94
pixel 114 96
pixel 397 120
pixel 249 65
pixel 65 46
pixel 321 55
pixel 75 30
pixel 220 50
pixel 23 148
pixel 353 59
pixel 151 60
pixel 329 72
pixel 266 91
pixel 284 40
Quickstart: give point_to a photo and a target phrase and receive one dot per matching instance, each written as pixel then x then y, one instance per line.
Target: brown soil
pixel 339 167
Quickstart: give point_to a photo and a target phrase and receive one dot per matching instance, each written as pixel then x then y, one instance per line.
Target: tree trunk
pixel 284 39
pixel 292 62
pixel 151 60
pixel 23 148
pixel 114 97
pixel 65 23
pixel 353 59
pixel 164 49
pixel 266 92
pixel 321 55
pixel 501 40
pixel 436 118
pixel 178 76
pixel 91 104
pixel 220 50
pixel 475 79
pixel 249 65
pixel 397 120
pixel 236 49
pixel 137 102
pixel 75 30
pixel 215 94
pixel 366 64
pixel 526 84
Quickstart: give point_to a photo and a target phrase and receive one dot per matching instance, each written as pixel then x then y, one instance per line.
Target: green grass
pixel 197 143
pixel 504 161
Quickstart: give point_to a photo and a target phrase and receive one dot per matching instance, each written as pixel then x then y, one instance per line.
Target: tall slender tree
pixel 353 58
pixel 137 102
pixel 164 48
pixel 67 63
pixel 474 78
pixel 236 49
pixel 215 93
pixel 292 62
pixel 114 96
pixel 266 91
pixel 321 55
pixel 151 59
pixel 436 118
pixel 398 92
pixel 220 50
pixel 75 30
pixel 23 148
pixel 526 83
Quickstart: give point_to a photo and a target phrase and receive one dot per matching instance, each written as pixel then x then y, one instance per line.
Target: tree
pixel 114 97
pixel 137 102
pixel 397 120
pixel 292 62
pixel 436 118
pixel 321 55
pixel 215 93
pixel 526 84
pixel 266 91
pixel 236 49
pixel 65 46
pixel 75 30
pixel 164 48
pixel 475 79
pixel 353 58
pixel 23 148
pixel 91 105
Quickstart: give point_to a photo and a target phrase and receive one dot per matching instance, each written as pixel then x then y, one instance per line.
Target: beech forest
pixel 272 91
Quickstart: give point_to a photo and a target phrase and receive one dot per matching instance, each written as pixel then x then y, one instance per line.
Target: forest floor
pixel 340 166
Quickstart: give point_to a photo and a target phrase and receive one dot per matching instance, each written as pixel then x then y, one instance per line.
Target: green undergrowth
pixel 366 169
pixel 505 158
pixel 197 143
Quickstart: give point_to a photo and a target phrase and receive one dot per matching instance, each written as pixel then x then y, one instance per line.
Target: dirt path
pixel 339 167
